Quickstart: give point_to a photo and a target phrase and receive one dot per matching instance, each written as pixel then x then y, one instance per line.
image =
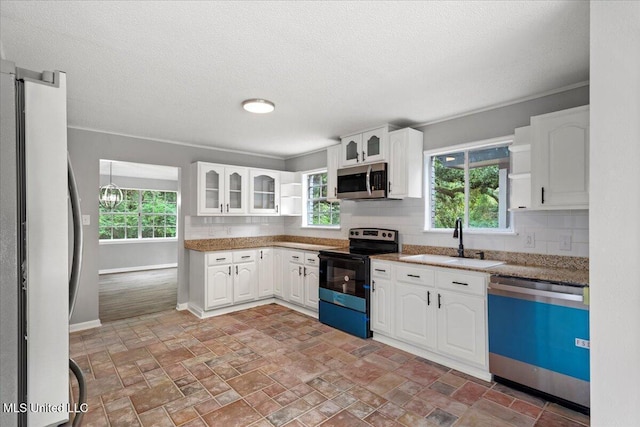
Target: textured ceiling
pixel 178 71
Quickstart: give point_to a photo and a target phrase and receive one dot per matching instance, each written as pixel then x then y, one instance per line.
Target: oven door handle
pixel 369 180
pixel 341 256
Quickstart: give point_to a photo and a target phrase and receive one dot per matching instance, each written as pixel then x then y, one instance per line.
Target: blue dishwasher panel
pixel 539 334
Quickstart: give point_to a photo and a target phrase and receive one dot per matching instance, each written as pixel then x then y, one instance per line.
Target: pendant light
pixel 110 195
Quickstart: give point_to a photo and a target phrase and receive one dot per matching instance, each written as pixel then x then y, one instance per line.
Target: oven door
pixel 344 274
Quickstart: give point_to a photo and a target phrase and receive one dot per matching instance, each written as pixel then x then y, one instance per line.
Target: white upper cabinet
pixel 365 147
pixel 264 190
pixel 520 175
pixel 333 163
pixel 220 189
pixel 560 159
pixel 405 163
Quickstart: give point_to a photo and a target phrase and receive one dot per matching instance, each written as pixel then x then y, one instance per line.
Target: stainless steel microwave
pixel 363 182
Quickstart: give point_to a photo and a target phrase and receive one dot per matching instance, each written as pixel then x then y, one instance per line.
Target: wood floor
pixel 125 295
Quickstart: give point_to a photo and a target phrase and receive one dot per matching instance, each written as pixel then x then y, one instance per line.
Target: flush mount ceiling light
pixel 259 106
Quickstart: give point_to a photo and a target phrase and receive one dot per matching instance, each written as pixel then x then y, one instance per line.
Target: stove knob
pixel 351 233
pixel 390 235
pixel 385 234
pixel 357 233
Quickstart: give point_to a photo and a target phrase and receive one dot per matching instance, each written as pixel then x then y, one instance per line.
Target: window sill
pixel 473 232
pixel 127 241
pixel 323 227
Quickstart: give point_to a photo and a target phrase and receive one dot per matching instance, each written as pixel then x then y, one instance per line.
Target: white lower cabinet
pixel 381 299
pixel 219 287
pixel 244 282
pixel 302 278
pixel 461 326
pixel 439 310
pixel 415 320
pixel 224 278
pixel 266 273
pixel 311 286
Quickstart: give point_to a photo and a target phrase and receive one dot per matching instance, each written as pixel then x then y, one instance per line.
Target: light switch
pixel 86 219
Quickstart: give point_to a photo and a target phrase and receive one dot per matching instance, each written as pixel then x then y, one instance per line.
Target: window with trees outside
pixel 142 214
pixel 469 183
pixel 318 210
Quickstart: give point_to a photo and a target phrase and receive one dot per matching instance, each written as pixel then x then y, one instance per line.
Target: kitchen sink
pixel 438 259
pixel 476 263
pixel 447 260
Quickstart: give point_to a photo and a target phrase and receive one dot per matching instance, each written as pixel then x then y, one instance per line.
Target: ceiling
pixel 178 71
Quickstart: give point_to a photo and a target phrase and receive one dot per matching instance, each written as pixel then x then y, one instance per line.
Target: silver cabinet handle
pixel 236 270
pixel 335 191
pixel 229 270
pixel 227 207
pixel 373 286
pixel 380 270
pixel 369 180
pixel 299 271
pixel 245 256
pixel 439 301
pixel 220 259
pixel 305 272
pixel 363 156
pixel 221 208
pixel 428 297
pixel 260 254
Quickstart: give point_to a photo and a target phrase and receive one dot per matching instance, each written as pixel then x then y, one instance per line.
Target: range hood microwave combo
pixel 363 182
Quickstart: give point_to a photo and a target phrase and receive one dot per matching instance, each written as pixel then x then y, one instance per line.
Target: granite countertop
pixel 291 242
pixel 578 276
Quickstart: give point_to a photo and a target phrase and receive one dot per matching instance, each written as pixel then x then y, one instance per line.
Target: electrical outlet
pixel 529 239
pixel 86 219
pixel 565 242
pixel 583 343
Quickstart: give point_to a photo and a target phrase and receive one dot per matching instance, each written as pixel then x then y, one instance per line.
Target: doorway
pixel 138 251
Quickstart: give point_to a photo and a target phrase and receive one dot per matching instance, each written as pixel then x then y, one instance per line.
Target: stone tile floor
pixel 272 366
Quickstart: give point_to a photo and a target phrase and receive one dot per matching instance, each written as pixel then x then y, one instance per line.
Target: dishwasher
pixel 539 338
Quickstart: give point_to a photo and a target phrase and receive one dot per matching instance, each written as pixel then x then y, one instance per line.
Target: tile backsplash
pixel 547 228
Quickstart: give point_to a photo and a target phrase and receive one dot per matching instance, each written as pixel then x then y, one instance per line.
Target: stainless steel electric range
pixel 345 279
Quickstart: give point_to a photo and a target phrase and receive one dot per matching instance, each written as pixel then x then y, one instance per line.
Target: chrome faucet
pixel 456 235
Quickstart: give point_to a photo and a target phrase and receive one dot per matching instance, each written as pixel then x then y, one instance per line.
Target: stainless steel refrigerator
pixel 35 294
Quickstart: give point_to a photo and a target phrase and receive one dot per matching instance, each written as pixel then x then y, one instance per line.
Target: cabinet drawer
pixel 311 258
pixel 462 282
pixel 416 275
pixel 296 256
pixel 244 256
pixel 381 270
pixel 217 258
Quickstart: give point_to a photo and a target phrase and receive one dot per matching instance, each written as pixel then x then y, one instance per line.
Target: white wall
pixel 212 227
pixel 407 216
pixel 615 209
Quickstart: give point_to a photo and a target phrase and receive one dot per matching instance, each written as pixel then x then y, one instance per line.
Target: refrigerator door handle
pixel 76 213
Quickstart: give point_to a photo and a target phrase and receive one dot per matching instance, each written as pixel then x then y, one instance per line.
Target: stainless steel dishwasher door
pixel 539 337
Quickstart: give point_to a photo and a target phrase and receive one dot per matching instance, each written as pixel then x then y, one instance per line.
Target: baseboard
pixel 183 306
pixel 138 268
pixel 83 326
pixel 481 373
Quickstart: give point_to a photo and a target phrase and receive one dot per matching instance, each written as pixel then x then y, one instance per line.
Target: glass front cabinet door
pixel 365 147
pixel 351 150
pixel 264 192
pixel 211 189
pixel 236 190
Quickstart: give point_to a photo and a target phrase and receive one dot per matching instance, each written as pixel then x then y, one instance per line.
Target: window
pixel 142 214
pixel 469 183
pixel 318 211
